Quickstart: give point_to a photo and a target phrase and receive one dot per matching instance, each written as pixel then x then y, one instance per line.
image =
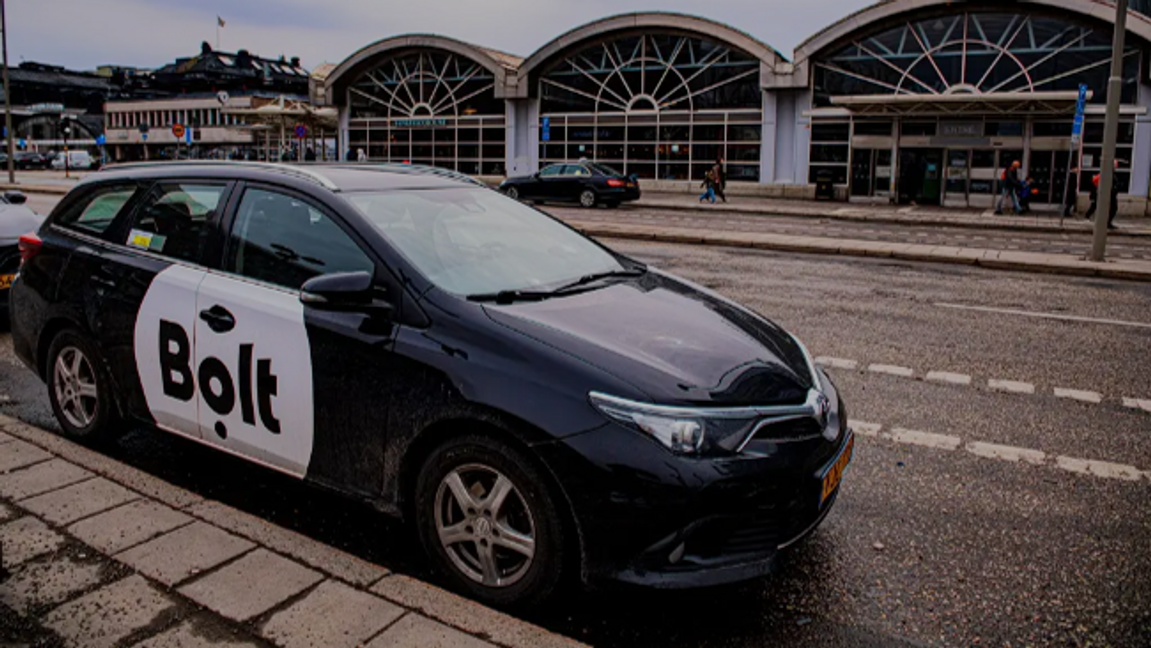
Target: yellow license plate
pixel 6 281
pixel 833 476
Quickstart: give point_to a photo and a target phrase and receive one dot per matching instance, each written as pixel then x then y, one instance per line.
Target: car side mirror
pixel 344 291
pixel 15 197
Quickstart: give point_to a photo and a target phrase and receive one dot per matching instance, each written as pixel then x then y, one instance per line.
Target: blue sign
pixel 188 136
pixel 22 143
pixel 546 135
pixel 144 135
pixel 1080 106
pixel 100 140
pixel 301 131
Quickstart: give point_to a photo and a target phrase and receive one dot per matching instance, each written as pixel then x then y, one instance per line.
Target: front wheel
pixel 512 193
pixel 489 523
pixel 587 199
pixel 79 390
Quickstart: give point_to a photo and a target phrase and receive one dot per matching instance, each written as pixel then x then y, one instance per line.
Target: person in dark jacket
pixel 720 174
pixel 1071 198
pixel 1114 198
pixel 1009 186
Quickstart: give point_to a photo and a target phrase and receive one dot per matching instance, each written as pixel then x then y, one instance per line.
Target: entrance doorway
pixel 920 176
pixel 1049 170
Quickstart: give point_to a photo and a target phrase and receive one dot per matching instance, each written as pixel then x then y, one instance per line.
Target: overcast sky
pixel 83 34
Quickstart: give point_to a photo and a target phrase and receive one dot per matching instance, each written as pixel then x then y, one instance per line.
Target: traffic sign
pixel 301 131
pixel 188 136
pixel 23 143
pixel 178 130
pixel 100 140
pixel 546 135
pixel 144 134
pixel 1080 106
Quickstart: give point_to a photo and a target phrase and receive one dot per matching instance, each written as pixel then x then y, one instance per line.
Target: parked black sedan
pixel 537 404
pixel 28 160
pixel 586 183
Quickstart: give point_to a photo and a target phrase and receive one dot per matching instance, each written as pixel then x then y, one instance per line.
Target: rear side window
pixel 173 219
pixel 96 212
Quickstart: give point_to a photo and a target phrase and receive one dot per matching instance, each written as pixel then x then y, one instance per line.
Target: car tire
pixel 458 537
pixel 79 389
pixel 513 193
pixel 588 199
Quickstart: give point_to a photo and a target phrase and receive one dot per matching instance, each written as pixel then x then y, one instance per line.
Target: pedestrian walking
pixel 1114 199
pixel 1072 195
pixel 310 155
pixel 1009 186
pixel 709 184
pixel 361 156
pixel 720 174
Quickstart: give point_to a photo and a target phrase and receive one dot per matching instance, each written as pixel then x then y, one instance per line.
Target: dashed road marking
pixel 1007 453
pixel 1011 386
pixel 893 370
pixel 837 363
pixel 948 377
pixel 926 439
pixel 1080 395
pixel 1137 403
pixel 1099 468
pixel 866 429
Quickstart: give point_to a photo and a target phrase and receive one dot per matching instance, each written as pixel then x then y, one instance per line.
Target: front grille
pixel 756 534
pixel 801 429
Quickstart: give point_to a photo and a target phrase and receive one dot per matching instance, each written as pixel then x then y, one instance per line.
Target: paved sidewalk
pixel 907 215
pixel 998 259
pixel 100 554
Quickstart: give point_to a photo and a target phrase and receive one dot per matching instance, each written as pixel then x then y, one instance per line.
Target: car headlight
pixel 704 430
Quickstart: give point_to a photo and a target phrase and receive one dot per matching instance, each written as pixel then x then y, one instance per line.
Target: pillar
pixel 1141 153
pixel 522 144
pixel 767 137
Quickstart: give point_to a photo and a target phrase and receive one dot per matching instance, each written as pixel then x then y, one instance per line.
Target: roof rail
pixel 286 169
pixel 415 169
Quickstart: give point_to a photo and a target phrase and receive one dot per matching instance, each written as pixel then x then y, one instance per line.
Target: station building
pixel 919 101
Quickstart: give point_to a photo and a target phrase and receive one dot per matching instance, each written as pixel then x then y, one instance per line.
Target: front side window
pixel 99 210
pixel 285 241
pixel 472 241
pixel 173 220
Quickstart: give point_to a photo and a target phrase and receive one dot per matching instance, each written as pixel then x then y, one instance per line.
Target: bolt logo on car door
pixel 219 390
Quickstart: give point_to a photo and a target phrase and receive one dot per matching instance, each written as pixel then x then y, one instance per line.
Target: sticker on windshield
pixel 146 240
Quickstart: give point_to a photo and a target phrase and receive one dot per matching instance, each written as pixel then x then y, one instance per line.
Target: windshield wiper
pixel 510 296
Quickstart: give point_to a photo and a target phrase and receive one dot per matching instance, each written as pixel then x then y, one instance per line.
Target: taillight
pixel 615 182
pixel 29 245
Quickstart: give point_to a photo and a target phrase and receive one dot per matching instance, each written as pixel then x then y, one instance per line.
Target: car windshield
pixel 472 241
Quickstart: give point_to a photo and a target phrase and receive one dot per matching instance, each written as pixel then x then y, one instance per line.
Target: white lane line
pixel 1054 316
pixel 1137 403
pixel 1080 395
pixel 1011 386
pixel 836 363
pixel 866 429
pixel 1099 468
pixel 948 377
pixel 1007 453
pixel 893 370
pixel 926 439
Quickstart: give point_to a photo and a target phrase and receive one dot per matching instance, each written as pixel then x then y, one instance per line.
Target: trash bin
pixel 824 185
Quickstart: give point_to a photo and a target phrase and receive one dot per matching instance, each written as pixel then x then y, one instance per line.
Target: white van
pixel 76 160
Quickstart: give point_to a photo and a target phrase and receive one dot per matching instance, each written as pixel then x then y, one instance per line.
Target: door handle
pixel 103 281
pixel 218 319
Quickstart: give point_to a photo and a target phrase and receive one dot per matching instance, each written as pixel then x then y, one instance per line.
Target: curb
pixel 419 602
pixel 992 259
pixel 883 219
pixel 36 189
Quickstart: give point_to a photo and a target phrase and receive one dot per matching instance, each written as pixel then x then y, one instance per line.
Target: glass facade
pixel 655 105
pixel 429 107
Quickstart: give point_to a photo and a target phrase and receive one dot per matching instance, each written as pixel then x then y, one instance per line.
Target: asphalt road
pixel 1079 244
pixel 926 545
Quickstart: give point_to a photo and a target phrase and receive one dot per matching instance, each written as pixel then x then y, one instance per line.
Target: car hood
pixel 676 343
pixel 15 221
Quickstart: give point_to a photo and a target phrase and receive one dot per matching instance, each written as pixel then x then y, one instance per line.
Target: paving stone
pixel 128 525
pixel 5 438
pixel 333 615
pixel 18 454
pixel 27 538
pixel 41 478
pixel 78 500
pixel 47 582
pixel 8 513
pixel 198 634
pixel 315 554
pixel 415 631
pixel 101 619
pixel 251 586
pixel 467 615
pixel 185 552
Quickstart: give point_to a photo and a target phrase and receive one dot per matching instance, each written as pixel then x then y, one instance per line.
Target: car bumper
pixel 620 194
pixel 652 518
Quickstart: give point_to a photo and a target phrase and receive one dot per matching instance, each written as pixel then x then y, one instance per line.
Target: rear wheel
pixel 79 390
pixel 512 193
pixel 587 199
pixel 488 522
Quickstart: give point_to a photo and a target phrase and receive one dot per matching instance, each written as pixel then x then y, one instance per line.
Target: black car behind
pixel 536 404
pixel 585 183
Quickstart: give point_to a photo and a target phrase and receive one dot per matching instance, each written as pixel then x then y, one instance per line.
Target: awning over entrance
pixel 1003 103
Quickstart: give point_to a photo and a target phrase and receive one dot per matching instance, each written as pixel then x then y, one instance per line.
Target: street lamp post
pixel 7 94
pixel 1110 134
pixel 67 130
